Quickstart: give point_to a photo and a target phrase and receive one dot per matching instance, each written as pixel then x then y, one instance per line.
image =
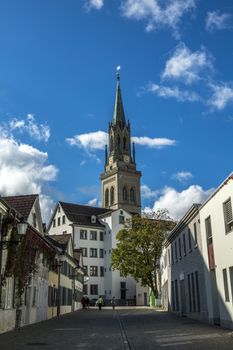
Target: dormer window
pixel 59 209
pixel 93 219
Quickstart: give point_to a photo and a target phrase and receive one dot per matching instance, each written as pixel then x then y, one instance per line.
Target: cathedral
pixel 120 180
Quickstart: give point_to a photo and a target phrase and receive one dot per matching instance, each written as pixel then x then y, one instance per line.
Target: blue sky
pixel 57 87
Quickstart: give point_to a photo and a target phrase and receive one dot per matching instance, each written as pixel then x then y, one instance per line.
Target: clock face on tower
pixel 126 159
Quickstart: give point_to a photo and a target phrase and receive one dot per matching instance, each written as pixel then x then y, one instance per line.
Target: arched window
pixel 107 197
pixel 118 143
pixel 112 195
pixel 125 193
pixel 124 143
pixel 111 143
pixel 132 195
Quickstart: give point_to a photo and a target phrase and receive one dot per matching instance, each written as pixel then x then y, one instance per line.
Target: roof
pixel 119 114
pixel 81 214
pixel 22 204
pixel 59 240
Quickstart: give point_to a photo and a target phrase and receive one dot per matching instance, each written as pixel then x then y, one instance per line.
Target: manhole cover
pixel 37 344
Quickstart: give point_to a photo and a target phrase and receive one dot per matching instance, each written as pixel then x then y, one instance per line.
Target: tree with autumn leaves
pixel 139 247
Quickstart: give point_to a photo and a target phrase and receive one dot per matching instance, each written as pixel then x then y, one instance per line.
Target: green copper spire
pixel 119 114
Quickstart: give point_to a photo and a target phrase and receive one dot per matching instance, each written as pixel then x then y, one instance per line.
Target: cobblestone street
pixel 136 329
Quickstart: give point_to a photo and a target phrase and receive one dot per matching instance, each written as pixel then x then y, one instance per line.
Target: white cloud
pixel 186 65
pixel 47 205
pixel 147 193
pixel 173 92
pixel 158 14
pixel 94 4
pixel 91 141
pixel 40 132
pixel 153 142
pixel 94 202
pixel 217 21
pixel 182 176
pixel 177 203
pixel 23 169
pixel 223 94
pixel 95 141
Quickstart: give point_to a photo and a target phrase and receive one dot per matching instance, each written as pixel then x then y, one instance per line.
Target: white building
pixel 94 232
pixel 217 236
pixel 182 268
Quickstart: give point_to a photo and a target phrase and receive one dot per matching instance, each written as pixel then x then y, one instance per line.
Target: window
pixel 101 271
pixel 85 289
pixel 172 250
pixel 228 217
pixel 190 296
pixel 93 219
pixel 177 296
pixel 132 195
pixel 84 251
pixel 180 249
pixel 107 197
pixel 195 233
pixel 34 220
pixel 58 221
pixel 225 281
pixel 54 223
pixel 94 289
pixel 83 234
pixel 189 240
pixel 118 143
pixel 125 194
pixel 176 251
pixel 121 219
pixel 231 279
pixel 101 253
pixel 93 253
pixel 63 219
pixel 112 199
pixel 58 209
pixel 93 235
pixel 193 292
pixel 124 143
pixel 101 236
pixel 93 270
pixel 169 257
pixel 184 244
pixel 197 290
pixel 85 268
pixel 208 229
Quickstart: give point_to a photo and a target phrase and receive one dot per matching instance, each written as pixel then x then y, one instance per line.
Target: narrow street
pixel 123 329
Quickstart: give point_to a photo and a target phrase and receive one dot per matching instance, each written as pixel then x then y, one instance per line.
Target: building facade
pixel 182 268
pixel 216 217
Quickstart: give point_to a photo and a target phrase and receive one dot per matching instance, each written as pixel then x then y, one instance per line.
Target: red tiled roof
pixel 23 204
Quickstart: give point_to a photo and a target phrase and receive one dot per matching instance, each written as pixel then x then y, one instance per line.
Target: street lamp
pixel 22 226
pixel 62 258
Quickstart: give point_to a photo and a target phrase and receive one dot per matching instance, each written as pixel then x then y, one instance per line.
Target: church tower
pixel 120 180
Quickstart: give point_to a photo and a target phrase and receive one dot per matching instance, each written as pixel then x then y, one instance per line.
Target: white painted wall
pixel 223 251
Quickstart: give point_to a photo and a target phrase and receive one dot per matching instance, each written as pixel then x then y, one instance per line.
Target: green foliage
pixel 139 248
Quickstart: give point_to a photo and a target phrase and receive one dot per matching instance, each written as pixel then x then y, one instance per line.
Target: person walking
pixel 87 302
pixel 100 302
pixel 83 302
pixel 113 302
